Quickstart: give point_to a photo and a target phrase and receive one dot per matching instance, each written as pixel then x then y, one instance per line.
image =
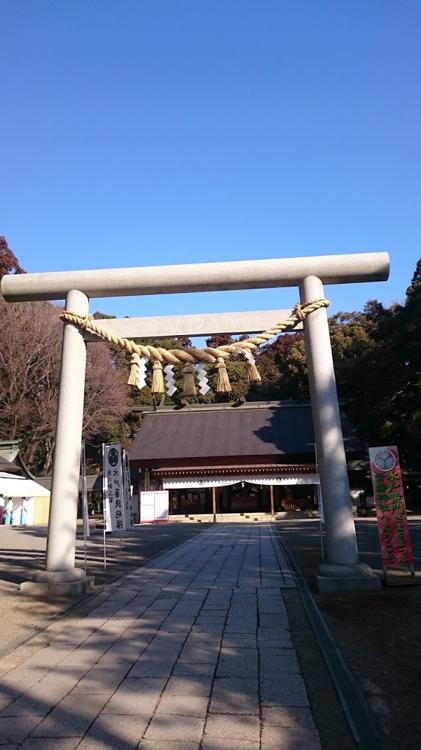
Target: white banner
pixel 85 508
pixel 128 504
pixel 154 506
pixel 113 488
pixel 320 504
pixel 147 507
pixel 161 505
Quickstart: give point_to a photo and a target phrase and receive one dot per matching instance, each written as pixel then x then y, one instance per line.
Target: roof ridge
pixel 248 406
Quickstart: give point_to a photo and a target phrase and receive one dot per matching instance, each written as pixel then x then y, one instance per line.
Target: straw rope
pixel 186 357
pixel 207 355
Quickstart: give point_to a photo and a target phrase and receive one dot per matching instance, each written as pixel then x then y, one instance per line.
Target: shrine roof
pixel 250 430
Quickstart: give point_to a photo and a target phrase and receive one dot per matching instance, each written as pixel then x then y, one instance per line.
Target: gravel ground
pixel 378 633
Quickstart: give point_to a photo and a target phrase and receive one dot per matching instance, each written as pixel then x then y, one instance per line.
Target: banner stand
pixel 388 571
pixel 116 499
pixel 116 493
pixel 127 488
pixel 154 506
pixel 105 547
pixel 321 519
pixel 85 508
pixel 319 504
pixel 104 495
pixel 392 521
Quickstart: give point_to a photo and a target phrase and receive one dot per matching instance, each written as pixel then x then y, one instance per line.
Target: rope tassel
pixel 157 387
pixel 189 386
pixel 253 374
pixel 134 368
pixel 223 384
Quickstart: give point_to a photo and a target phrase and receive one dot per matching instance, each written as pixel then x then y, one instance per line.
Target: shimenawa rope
pixel 186 357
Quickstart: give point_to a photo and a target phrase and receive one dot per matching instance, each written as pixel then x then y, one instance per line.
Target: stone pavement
pixel 192 651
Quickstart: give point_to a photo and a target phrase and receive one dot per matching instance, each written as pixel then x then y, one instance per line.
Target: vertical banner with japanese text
pixel 85 508
pixel 113 488
pixel 128 502
pixel 389 497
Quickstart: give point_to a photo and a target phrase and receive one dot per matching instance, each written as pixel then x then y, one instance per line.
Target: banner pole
pixel 127 490
pixel 392 521
pixel 104 491
pixel 85 511
pixel 321 517
pixel 320 504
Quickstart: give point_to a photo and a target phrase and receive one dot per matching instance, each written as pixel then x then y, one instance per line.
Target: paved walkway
pixel 192 651
pixel 23 550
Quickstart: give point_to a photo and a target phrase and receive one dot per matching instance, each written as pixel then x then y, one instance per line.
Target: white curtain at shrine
pixel 197 482
pixel 287 479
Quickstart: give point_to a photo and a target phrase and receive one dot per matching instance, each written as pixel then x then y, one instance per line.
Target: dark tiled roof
pixel 93 482
pixel 9 466
pixel 224 432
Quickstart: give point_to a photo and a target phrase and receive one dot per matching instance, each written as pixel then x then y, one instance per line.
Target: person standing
pixel 24 512
pixel 9 512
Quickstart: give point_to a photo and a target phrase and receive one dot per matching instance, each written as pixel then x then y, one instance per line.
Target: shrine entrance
pixel 242 498
pixel 342 571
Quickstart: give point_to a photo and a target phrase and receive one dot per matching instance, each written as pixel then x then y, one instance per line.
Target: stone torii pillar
pixel 342 571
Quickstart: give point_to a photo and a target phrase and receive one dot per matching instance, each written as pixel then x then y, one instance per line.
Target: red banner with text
pixel 389 497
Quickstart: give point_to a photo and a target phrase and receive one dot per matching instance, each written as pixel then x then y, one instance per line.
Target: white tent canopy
pixel 13 486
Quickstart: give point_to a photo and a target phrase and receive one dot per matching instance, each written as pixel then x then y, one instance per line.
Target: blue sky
pixel 154 132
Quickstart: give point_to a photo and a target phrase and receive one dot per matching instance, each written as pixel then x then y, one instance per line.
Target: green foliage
pixel 282 365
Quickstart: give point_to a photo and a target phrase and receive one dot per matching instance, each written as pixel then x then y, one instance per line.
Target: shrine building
pixel 224 460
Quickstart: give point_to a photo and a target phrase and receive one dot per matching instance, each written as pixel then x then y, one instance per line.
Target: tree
pixel 8 260
pixel 220 339
pixel 283 368
pixel 185 342
pixel 29 361
pixel 416 279
pixel 30 347
pixel 400 362
pixel 353 341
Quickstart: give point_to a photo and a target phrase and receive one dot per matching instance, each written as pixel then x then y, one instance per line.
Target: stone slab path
pixel 192 652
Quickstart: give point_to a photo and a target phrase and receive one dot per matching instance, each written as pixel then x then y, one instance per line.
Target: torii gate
pixel 342 572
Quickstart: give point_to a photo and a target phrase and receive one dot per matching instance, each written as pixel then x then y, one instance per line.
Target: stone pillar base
pixel 345 579
pixel 58 583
